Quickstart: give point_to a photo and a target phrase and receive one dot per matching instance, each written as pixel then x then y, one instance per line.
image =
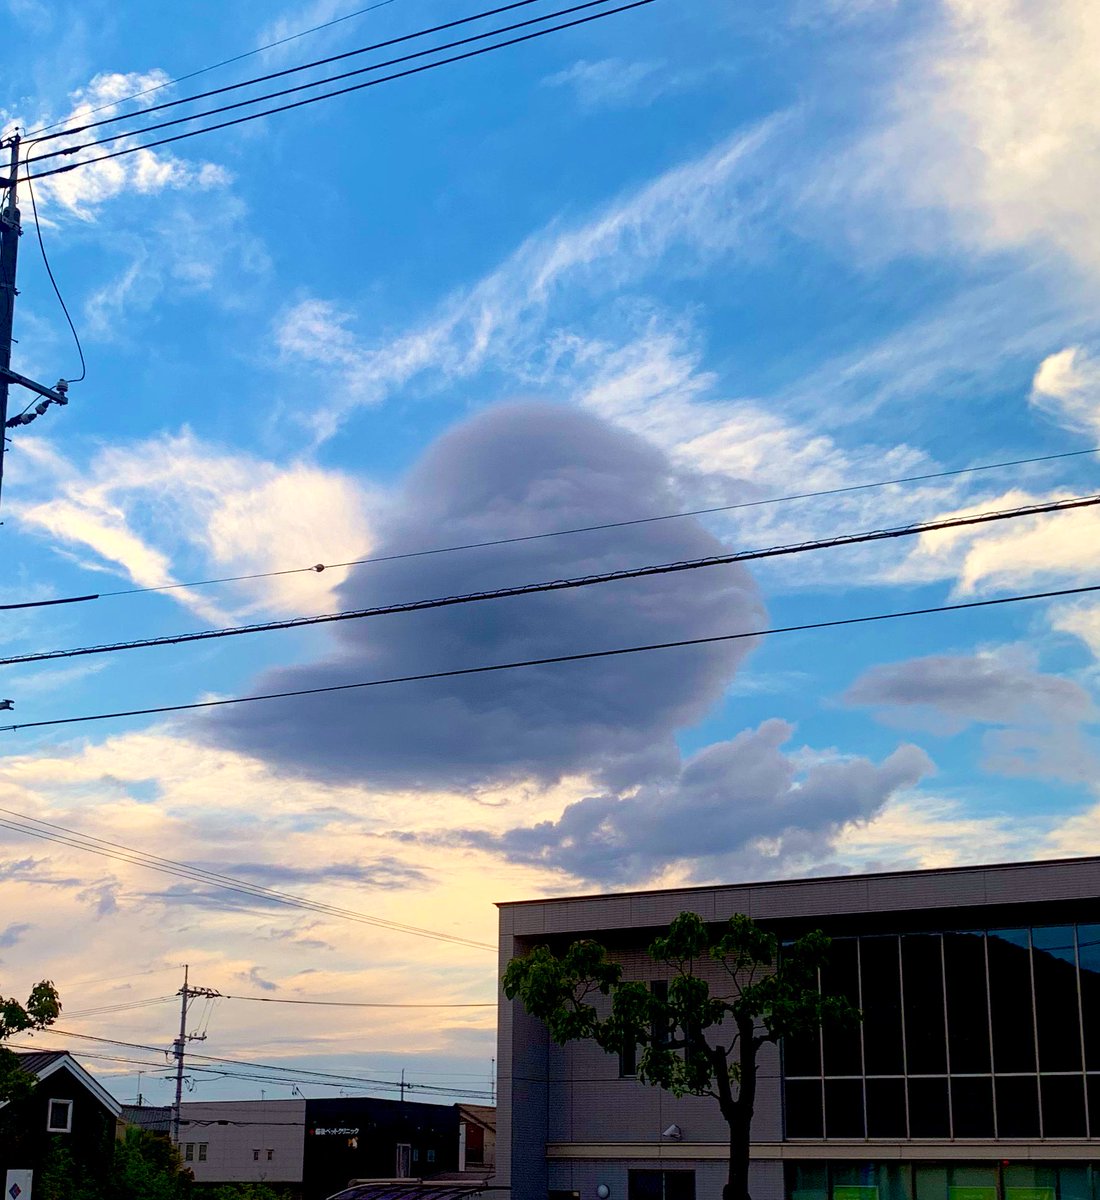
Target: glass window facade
pixel 986 1033
pixel 942 1181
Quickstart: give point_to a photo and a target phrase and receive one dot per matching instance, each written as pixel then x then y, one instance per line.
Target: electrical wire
pixel 558 658
pixel 107 1009
pixel 559 585
pixel 304 1074
pixel 53 282
pixel 52 832
pixel 179 137
pixel 355 1003
pixel 319 62
pixel 225 62
pixel 207 1066
pixel 317 568
pixel 302 87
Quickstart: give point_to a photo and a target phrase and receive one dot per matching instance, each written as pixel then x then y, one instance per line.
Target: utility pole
pixel 9 254
pixel 186 994
pixel 10 232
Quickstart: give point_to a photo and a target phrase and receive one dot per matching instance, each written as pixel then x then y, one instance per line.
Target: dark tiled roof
pixel 34 1061
pixel 152 1118
pixel 410 1189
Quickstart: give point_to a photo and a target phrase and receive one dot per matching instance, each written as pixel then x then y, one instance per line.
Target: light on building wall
pixel 603 1191
pixel 674 1132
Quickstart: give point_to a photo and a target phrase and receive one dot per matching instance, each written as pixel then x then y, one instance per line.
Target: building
pixel 975 1074
pixel 68 1109
pixel 316 1147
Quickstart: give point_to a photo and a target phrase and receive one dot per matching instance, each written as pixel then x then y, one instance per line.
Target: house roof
pixel 410 1189
pixel 44 1063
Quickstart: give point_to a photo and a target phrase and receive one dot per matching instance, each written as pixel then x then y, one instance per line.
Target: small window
pixel 59 1116
pixel 270 1155
pixel 202 1151
pixel 255 1156
pixel 431 1156
pixel 189 1152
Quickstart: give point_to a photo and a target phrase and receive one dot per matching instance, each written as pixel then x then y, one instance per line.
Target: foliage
pixel 59 1177
pixel 148 1167
pixel 42 1008
pixel 243 1191
pixel 701 1038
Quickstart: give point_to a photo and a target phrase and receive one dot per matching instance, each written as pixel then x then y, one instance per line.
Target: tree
pixel 43 1007
pixel 700 1038
pixel 148 1167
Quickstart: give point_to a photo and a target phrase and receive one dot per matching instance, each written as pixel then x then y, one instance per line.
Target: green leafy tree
pixel 42 1008
pixel 702 1038
pixel 59 1177
pixel 148 1167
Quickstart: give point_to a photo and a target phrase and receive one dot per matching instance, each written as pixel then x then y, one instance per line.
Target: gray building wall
pixel 567 1121
pixel 237 1151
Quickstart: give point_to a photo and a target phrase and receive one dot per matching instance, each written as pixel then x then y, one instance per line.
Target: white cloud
pixel 173 503
pixel 691 209
pixel 995 120
pixel 609 82
pixel 1044 548
pixel 1067 386
pixel 82 191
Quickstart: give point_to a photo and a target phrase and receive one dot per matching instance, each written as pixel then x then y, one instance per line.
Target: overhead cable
pixel 308 66
pixel 49 831
pixel 317 568
pixel 358 1003
pixel 561 585
pixel 558 658
pixel 454 58
pixel 225 62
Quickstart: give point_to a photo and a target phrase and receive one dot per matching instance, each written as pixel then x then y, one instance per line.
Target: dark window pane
pixel 1017 1107
pixel 1010 1000
pixel 802 1055
pixel 844 1108
pixel 1074 1182
pixel 679 1185
pixel 881 982
pixel 928 1108
pixel 967 1002
pixel 628 1060
pixel 922 977
pixel 644 1185
pixel 886 1108
pixel 840 977
pixel 972 1107
pixel 1088 949
pixel 1054 964
pixel 803 1108
pixel 1063 1100
pixel 1092 1085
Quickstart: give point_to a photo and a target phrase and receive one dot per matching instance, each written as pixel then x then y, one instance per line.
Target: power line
pixel 558 658
pixel 225 62
pixel 53 283
pixel 49 831
pixel 356 1003
pixel 343 91
pixel 560 585
pixel 108 1009
pixel 302 87
pixel 304 1074
pixel 317 568
pixel 319 62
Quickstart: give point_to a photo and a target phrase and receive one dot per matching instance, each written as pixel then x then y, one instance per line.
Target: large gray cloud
pixel 512 471
pixel 733 804
pixel 949 692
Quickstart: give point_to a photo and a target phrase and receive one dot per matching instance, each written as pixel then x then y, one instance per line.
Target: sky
pixel 696 255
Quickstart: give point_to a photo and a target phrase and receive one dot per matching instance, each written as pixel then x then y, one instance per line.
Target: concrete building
pixel 975 1074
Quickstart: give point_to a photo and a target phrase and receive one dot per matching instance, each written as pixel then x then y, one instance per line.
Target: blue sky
pixel 690 256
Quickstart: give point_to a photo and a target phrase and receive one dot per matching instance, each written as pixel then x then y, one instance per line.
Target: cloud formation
pixel 743 801
pixel 516 470
pixel 1067 387
pixel 947 693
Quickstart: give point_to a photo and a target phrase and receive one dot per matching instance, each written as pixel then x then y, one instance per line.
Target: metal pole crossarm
pixel 56 394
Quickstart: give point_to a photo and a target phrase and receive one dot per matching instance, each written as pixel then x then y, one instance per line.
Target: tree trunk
pixel 739 1118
